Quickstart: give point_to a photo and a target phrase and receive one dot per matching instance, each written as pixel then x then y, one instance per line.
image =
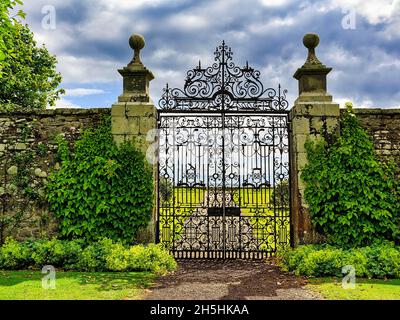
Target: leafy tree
pixel 29 78
pixel 6 25
pixel 101 190
pixel 352 196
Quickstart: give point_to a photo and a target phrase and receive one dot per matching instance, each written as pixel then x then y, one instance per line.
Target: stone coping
pixel 55 112
pixel 374 111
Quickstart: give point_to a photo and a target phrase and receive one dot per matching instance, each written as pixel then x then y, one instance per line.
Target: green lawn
pixel 331 288
pixel 27 285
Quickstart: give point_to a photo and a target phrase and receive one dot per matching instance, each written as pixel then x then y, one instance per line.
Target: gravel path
pixel 229 280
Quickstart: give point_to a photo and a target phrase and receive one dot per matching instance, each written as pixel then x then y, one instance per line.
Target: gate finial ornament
pixel 137 43
pixel 136 76
pixel 312 75
pixel 311 41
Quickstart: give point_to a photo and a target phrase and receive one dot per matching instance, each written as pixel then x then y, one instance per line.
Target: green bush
pixel 101 190
pixel 93 257
pixel 64 254
pixel 103 255
pixel 380 260
pixel 146 258
pixel 323 262
pixel 383 260
pixel 352 195
pixel 152 258
pixel 14 255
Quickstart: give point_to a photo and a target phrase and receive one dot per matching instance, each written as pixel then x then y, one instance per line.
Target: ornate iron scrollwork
pixel 223 167
pixel 223 87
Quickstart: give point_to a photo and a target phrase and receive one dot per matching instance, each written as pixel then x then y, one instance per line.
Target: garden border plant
pixel 353 201
pixel 99 256
pixel 379 260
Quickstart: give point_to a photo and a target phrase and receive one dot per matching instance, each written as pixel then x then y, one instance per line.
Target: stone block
pixel 314 97
pixel 332 124
pixel 317 124
pixel 119 125
pixel 317 109
pixel 40 173
pixel 332 110
pixel 134 127
pixel 13 170
pixel 20 146
pixel 146 124
pixel 119 138
pixel 141 110
pixel 118 110
pixel 301 125
pixel 301 160
pixel 300 140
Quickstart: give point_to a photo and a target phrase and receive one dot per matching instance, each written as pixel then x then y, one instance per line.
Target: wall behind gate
pixel 27 154
pixel 383 125
pixel 28 147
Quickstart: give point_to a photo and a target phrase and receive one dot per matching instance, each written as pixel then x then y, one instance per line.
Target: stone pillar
pixel 313 116
pixel 134 116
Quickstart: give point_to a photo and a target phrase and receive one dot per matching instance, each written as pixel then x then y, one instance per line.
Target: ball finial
pixel 136 41
pixel 311 41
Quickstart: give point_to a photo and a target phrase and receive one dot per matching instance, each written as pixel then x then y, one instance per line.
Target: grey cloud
pixel 270 38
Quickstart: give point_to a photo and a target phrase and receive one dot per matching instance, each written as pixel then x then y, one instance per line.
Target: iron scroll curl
pixel 223 87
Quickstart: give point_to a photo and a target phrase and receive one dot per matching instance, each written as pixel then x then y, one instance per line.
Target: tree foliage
pixel 352 195
pixel 28 72
pixel 101 190
pixel 6 25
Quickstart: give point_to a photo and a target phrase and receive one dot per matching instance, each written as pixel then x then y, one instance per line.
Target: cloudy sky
pixel 359 39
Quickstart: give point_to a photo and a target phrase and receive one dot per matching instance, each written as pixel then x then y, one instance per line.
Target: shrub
pixel 323 262
pixel 93 257
pixel 117 258
pixel 352 196
pixel 380 260
pixel 64 254
pixel 101 190
pixel 151 258
pixel 383 260
pixel 140 258
pixel 14 255
pixel 103 255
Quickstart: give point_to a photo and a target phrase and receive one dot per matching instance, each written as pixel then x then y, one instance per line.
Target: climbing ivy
pixel 352 195
pixel 101 190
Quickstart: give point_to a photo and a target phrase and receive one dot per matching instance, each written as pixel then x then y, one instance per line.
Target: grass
pixel 365 289
pixel 27 285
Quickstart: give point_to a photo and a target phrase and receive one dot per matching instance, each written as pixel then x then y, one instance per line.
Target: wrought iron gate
pixel 223 177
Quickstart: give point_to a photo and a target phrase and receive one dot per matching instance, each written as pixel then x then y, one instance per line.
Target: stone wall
pixel 383 125
pixel 27 154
